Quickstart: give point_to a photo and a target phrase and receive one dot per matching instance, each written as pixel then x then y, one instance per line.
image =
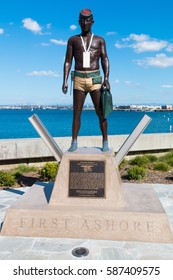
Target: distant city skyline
pixel 86 105
pixel 33 38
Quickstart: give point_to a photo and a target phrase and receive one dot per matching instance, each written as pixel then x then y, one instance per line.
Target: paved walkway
pixel 17 248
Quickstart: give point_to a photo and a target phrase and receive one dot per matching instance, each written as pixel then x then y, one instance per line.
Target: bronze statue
pixel 86 49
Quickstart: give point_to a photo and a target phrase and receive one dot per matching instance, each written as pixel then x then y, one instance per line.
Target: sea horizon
pixel 15 123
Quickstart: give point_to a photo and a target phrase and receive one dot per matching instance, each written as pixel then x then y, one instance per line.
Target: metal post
pixel 122 152
pixel 47 138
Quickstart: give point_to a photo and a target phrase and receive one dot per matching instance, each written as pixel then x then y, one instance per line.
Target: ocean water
pixel 15 123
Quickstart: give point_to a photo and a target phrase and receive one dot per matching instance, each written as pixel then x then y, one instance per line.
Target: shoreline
pixel 138 108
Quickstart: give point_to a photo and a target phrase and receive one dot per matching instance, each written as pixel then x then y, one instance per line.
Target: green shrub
pixel 136 172
pixel 7 179
pixel 167 158
pixel 161 166
pixel 23 168
pixel 140 161
pixel 151 158
pixel 49 171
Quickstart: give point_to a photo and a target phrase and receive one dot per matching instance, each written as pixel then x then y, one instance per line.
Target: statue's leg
pixel 78 102
pixel 95 96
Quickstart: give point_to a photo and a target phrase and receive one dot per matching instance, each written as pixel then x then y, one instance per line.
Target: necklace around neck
pixel 84 46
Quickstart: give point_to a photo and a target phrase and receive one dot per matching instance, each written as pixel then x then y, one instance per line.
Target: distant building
pixel 167 107
pixel 124 107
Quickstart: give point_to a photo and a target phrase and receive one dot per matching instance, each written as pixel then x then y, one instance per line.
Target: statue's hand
pixel 65 88
pixel 106 84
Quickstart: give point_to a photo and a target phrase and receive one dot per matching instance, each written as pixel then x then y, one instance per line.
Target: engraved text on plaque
pixel 87 178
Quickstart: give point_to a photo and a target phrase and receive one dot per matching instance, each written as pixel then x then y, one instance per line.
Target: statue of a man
pixel 86 49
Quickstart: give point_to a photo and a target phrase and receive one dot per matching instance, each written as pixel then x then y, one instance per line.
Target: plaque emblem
pixel 87 168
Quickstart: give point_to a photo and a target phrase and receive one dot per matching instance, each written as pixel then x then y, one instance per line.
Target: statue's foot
pixel 105 147
pixel 73 146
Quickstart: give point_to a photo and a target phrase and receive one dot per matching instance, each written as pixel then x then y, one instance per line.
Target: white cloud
pixel 73 27
pixel 170 48
pixel 148 46
pixel 31 25
pixel 121 46
pixel 58 42
pixel 160 60
pixel 110 33
pixel 43 73
pixel 142 43
pixel 167 86
pixel 1 31
pixel 136 37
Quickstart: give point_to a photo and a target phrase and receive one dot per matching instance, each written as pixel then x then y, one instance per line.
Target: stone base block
pixel 142 219
pixel 88 177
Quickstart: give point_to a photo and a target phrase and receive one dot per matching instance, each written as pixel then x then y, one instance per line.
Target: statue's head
pixel 86 20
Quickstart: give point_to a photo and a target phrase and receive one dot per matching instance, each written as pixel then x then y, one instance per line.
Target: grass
pixel 168 158
pixel 137 167
pixel 23 168
pixel 161 166
pixel 136 172
pixel 10 178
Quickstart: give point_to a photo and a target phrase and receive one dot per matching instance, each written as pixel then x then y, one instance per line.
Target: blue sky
pixel 138 35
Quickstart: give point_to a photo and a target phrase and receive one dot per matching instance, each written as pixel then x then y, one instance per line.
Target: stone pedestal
pixel 88 200
pixel 88 177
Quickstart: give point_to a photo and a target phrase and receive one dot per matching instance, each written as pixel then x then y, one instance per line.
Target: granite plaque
pixel 87 179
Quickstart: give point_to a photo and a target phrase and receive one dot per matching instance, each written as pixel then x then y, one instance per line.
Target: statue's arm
pixel 105 65
pixel 67 65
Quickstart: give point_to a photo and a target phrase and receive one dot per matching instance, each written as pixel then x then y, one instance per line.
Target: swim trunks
pixel 87 81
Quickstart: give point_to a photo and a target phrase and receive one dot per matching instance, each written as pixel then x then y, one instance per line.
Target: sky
pixel 34 35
